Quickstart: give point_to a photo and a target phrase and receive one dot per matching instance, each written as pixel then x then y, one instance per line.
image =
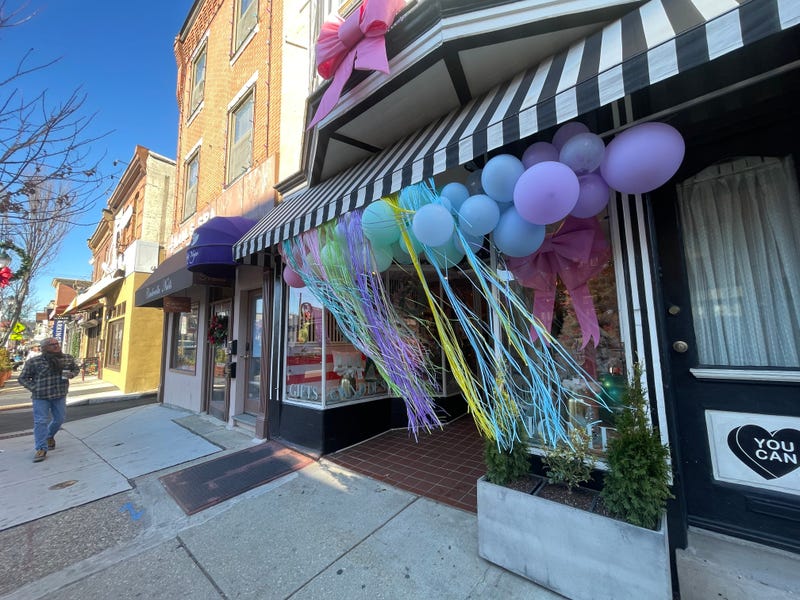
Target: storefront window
pixel 604 363
pixel 113 357
pixel 184 340
pixel 313 333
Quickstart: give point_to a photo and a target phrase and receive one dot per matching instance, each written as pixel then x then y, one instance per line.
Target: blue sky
pixel 120 55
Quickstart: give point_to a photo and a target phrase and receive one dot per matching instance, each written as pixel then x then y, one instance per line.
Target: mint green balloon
pixel 383 257
pixel 379 225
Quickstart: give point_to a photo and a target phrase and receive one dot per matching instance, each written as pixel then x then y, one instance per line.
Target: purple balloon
pixel 291 278
pixel 546 193
pixel 643 158
pixel 583 152
pixel 478 215
pixel 539 152
pixel 593 196
pixel 514 236
pixel 566 131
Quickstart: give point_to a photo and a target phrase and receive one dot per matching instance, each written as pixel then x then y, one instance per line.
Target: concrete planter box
pixel 578 554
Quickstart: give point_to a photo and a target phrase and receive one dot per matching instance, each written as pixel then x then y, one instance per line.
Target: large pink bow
pixel 576 253
pixel 5 276
pixel 355 43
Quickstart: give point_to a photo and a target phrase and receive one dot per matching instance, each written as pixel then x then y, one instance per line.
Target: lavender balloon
pixel 546 193
pixel 643 158
pixel 566 131
pixel 539 152
pixel 593 196
pixel 583 152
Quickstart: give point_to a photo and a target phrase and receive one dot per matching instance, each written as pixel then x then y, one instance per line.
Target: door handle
pixel 680 346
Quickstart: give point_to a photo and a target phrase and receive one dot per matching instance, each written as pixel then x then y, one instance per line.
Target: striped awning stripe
pixel 658 40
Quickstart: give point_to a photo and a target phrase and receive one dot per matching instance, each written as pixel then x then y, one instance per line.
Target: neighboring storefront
pixel 700 281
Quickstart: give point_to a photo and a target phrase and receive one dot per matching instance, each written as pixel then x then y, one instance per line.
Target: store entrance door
pixel 728 240
pixel 218 394
pixel 252 355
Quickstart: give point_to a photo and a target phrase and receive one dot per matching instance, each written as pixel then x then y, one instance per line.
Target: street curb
pixel 82 402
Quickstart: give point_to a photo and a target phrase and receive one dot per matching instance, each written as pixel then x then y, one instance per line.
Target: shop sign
pixel 755 450
pixel 177 304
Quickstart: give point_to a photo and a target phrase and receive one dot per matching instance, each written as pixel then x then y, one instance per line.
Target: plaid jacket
pixel 42 382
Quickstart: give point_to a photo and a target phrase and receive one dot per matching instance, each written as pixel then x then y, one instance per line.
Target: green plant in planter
pixel 570 464
pixel 636 486
pixel 504 466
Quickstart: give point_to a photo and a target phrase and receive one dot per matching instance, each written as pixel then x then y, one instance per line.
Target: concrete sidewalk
pixel 112 530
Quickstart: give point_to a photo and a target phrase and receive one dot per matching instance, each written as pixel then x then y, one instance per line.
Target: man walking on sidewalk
pixel 47 377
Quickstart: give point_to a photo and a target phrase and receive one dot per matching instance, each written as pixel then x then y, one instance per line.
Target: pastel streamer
pixel 337 265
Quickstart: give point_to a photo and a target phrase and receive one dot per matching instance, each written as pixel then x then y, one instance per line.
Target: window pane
pixel 114 333
pixel 198 83
pixel 304 347
pixel 604 363
pixel 241 139
pixel 741 235
pixel 246 19
pixel 184 340
pixel 190 199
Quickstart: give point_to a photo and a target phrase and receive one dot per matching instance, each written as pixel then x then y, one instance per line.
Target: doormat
pixel 202 486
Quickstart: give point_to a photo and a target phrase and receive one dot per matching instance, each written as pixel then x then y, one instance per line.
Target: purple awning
pixel 211 250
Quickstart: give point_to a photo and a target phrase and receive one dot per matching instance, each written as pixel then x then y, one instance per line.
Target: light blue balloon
pixel 445 256
pixel 500 175
pixel 383 257
pixel 456 193
pixel 379 225
pixel 514 236
pixel 478 215
pixel 433 225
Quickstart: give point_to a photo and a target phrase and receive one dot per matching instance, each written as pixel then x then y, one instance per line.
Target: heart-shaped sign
pixel 770 454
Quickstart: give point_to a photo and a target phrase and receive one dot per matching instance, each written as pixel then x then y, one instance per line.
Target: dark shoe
pixel 51 443
pixel 40 455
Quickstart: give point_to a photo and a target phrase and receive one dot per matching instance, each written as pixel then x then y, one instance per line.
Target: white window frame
pixel 190 191
pixel 238 148
pixel 197 94
pixel 245 20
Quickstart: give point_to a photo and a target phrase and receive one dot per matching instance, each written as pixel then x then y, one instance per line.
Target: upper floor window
pixel 240 138
pixel 190 191
pixel 246 19
pixel 198 80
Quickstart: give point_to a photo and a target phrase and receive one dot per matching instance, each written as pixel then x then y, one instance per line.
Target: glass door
pixel 252 355
pixel 219 381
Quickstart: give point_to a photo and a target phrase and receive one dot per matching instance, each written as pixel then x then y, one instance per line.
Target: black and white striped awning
pixel 659 40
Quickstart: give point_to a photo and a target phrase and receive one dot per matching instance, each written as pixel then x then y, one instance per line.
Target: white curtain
pixel 741 230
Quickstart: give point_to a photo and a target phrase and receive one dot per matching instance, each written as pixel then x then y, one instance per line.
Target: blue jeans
pixel 43 426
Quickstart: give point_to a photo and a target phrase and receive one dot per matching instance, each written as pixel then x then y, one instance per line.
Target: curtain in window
pixel 741 229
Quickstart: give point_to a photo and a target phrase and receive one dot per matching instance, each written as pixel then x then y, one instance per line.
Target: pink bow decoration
pixel 5 276
pixel 357 42
pixel 576 253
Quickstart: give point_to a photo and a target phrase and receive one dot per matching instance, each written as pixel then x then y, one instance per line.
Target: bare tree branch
pixel 43 141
